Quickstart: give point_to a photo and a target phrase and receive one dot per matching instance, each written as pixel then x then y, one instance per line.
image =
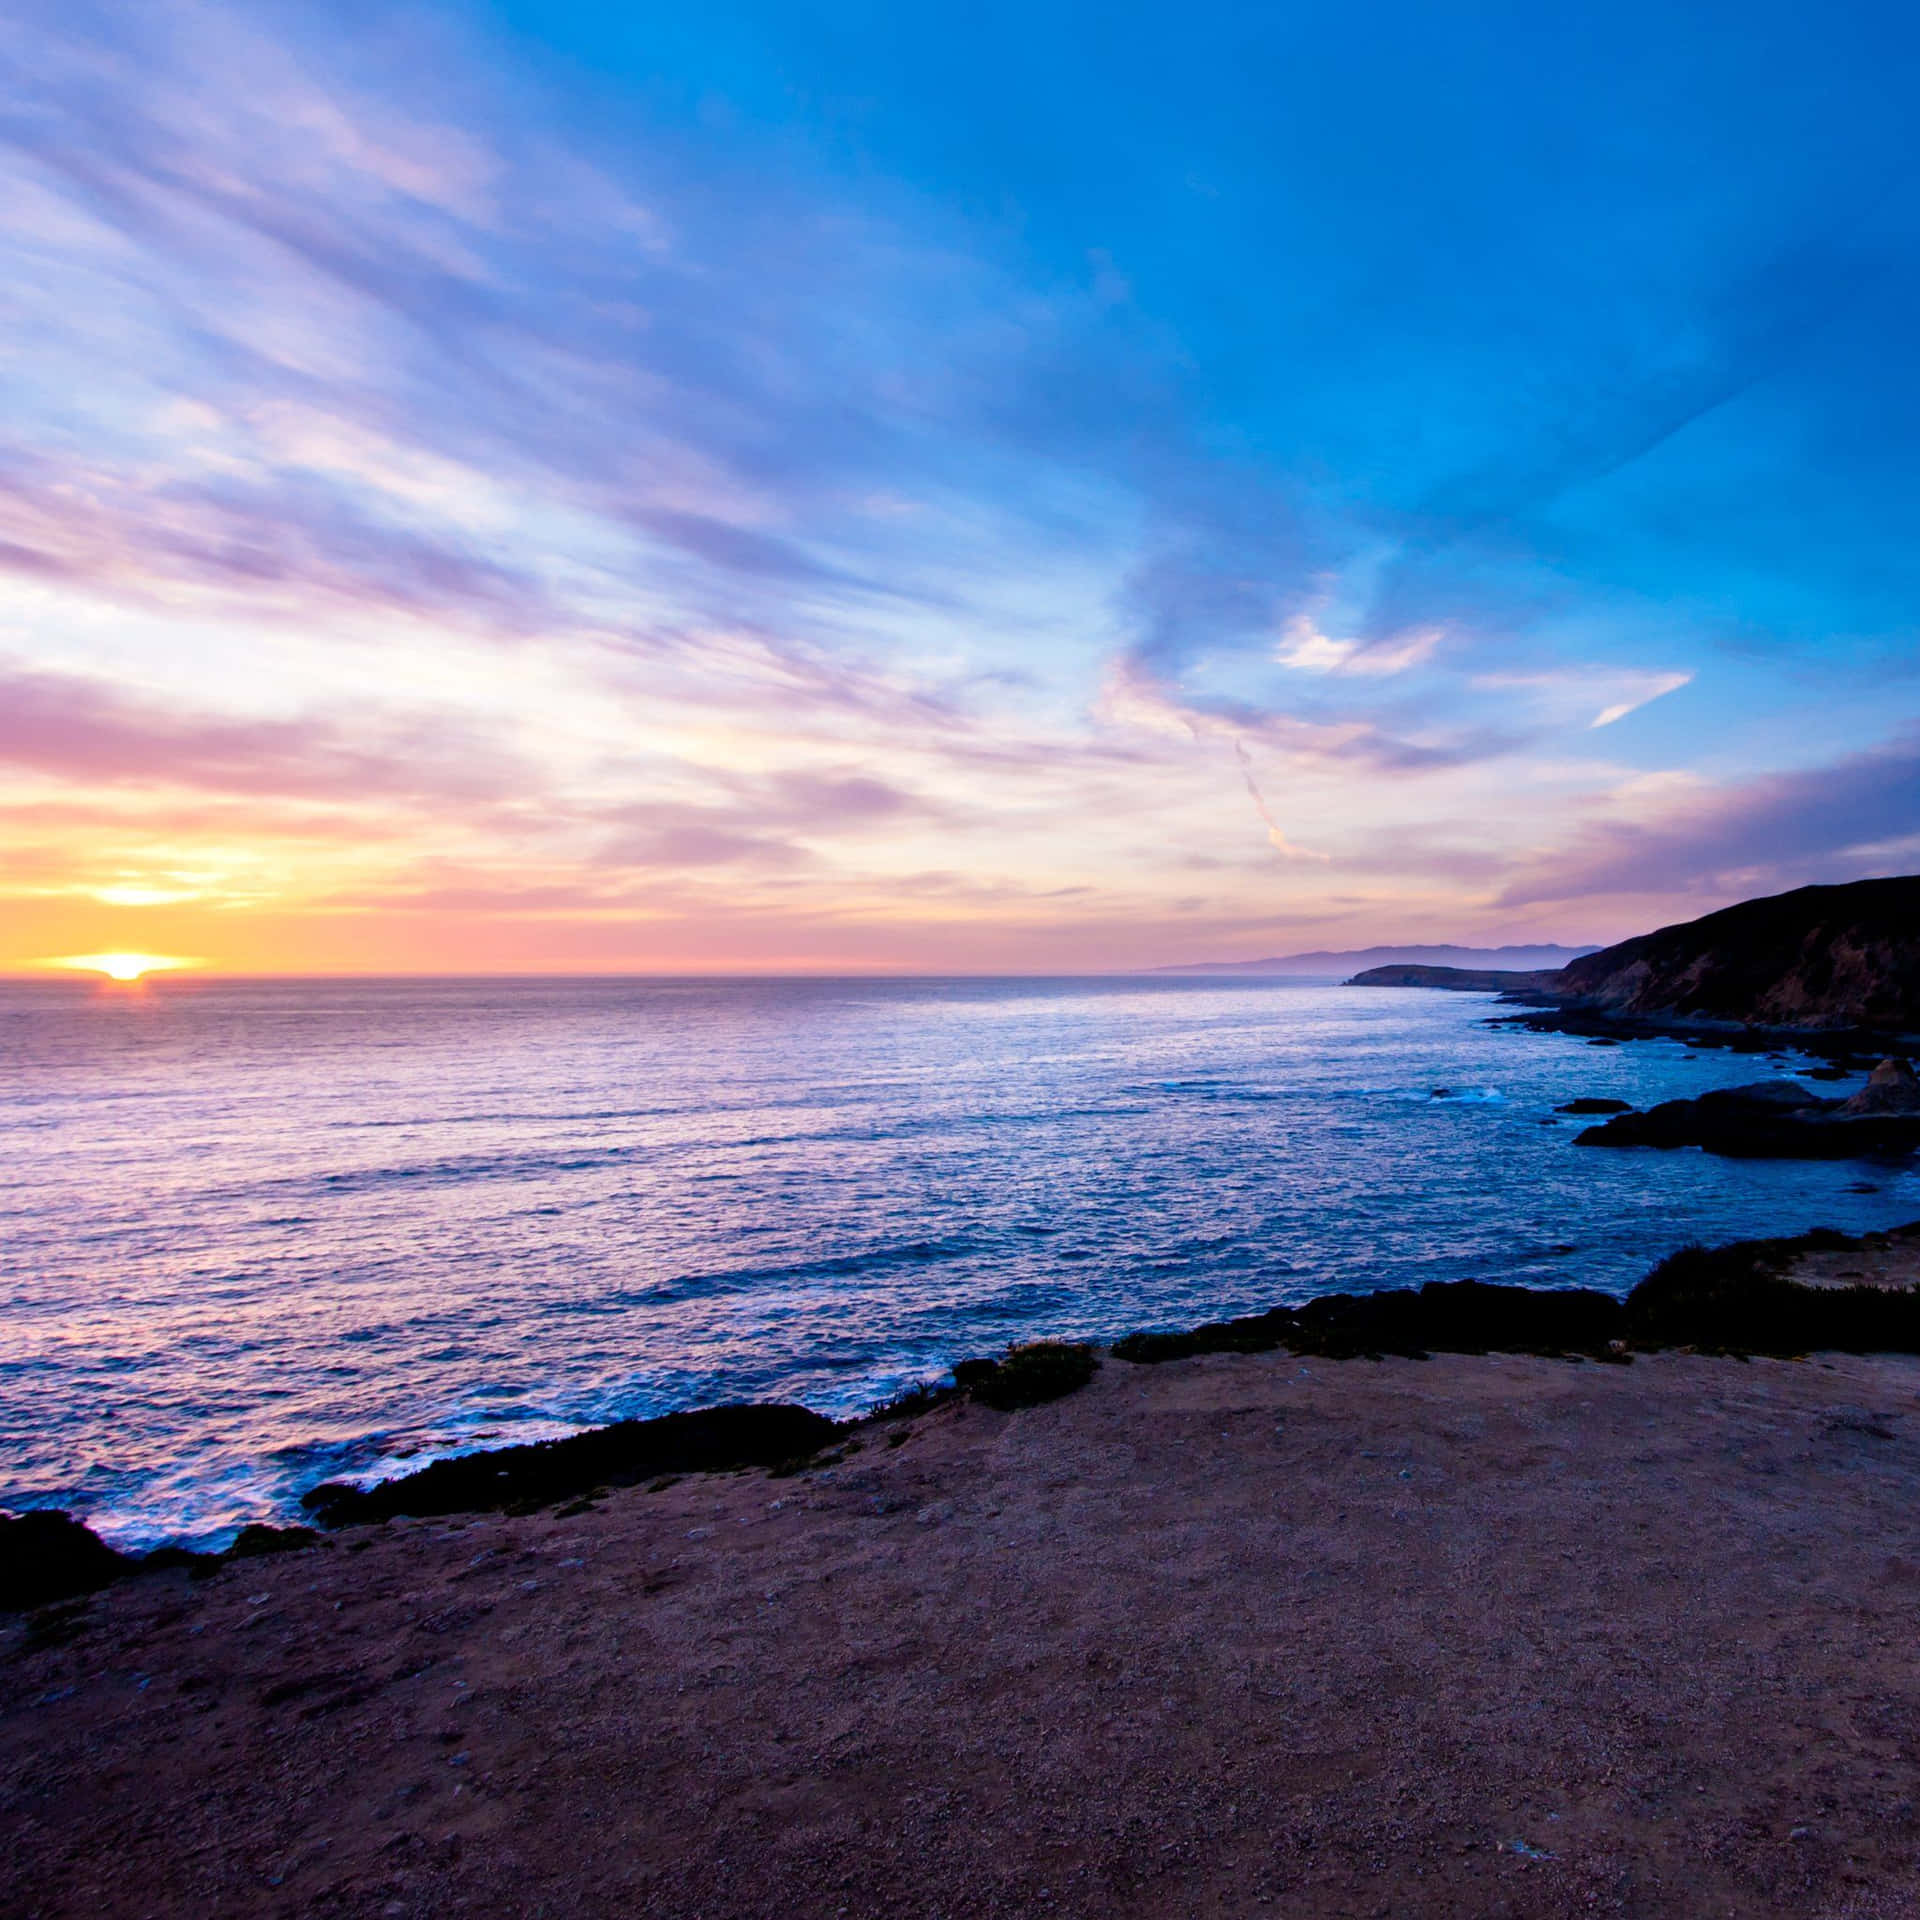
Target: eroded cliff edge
pixel 1819 957
pixel 1842 959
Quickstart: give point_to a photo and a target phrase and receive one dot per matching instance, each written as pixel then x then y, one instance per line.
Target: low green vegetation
pixel 629 1453
pixel 1029 1375
pixel 1256 1333
pixel 1733 1299
pixel 1738 1299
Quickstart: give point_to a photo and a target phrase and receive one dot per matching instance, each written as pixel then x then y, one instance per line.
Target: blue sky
pixel 620 486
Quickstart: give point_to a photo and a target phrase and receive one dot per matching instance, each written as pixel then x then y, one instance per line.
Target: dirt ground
pixel 1889 1260
pixel 1470 1636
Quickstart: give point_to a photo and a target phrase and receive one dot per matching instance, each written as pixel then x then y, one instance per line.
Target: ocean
pixel 259 1234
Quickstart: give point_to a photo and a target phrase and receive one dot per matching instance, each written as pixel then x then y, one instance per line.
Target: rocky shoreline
pixel 1845 1049
pixel 1242 1631
pixel 1831 971
pixel 1740 1299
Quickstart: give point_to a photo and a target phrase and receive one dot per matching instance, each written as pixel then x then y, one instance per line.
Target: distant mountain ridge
pixel 1544 959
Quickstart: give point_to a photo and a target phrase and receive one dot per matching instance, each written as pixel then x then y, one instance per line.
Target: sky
pixel 581 487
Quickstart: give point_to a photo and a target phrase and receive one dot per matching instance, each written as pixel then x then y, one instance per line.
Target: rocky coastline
pixel 1840 958
pixel 1740 1299
pixel 1828 970
pixel 1525 1600
pixel 1489 1631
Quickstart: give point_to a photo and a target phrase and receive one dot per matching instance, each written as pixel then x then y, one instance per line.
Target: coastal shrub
pixel 707 1440
pixel 1463 1316
pixel 255 1541
pixel 1252 1333
pixel 1458 1316
pixel 1031 1375
pixel 49 1555
pixel 917 1400
pixel 196 1566
pixel 1738 1298
pixel 1149 1349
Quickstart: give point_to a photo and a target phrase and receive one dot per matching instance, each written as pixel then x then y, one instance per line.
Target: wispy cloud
pixel 416 496
pixel 1858 815
pixel 1307 650
pixel 1666 683
pixel 85 731
pixel 1133 696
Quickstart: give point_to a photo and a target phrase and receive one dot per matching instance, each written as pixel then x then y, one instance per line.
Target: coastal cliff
pixel 1819 957
pixel 1827 959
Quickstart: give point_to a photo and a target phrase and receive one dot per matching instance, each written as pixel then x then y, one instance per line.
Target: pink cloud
pixel 87 732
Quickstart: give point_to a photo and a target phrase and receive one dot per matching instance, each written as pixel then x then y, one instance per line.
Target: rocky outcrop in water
pixel 1742 1298
pixel 1780 1120
pixel 1892 1087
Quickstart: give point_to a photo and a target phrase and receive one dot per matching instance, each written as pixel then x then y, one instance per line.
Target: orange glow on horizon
pixel 124 967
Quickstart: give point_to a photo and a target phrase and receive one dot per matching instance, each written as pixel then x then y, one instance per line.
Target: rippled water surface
pixel 255 1235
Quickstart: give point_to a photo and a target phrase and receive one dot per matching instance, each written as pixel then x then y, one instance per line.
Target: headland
pixel 1834 969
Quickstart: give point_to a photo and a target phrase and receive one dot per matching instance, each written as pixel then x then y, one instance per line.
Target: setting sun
pixel 122 966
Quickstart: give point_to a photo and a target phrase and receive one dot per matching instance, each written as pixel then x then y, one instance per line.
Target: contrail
pixel 1281 844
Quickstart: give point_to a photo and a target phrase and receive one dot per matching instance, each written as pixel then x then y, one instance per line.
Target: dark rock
pixel 1727 1299
pixel 48 1555
pixel 1770 1120
pixel 1779 1095
pixel 1586 1105
pixel 1891 1088
pixel 1253 1333
pixel 1463 1316
pixel 708 1440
